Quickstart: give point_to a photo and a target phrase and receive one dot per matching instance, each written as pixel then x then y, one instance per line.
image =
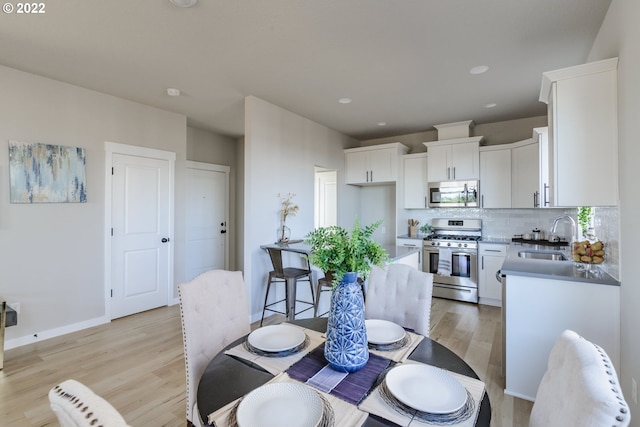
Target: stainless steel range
pixel 457 238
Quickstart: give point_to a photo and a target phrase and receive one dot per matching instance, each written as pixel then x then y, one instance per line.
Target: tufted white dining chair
pixel 401 294
pixel 214 312
pixel 76 405
pixel 580 388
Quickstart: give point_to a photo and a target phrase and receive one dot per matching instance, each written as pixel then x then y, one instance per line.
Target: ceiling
pixel 402 62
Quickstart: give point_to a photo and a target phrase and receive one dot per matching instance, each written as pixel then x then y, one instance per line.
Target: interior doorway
pixel 326 198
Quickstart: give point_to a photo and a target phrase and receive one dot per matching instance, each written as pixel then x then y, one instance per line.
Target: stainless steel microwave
pixel 454 194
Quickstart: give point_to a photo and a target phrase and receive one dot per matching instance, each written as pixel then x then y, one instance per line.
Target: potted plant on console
pixel 346 255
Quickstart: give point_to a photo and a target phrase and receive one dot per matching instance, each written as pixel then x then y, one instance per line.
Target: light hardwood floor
pixel 136 363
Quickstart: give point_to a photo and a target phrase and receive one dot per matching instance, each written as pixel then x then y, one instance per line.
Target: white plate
pixel 276 338
pixel 280 404
pixel 383 331
pixel 426 388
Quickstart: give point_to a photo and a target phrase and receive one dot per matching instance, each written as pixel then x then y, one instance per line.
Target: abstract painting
pixel 44 173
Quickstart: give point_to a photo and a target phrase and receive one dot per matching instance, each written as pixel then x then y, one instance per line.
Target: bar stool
pixel 326 284
pixel 290 276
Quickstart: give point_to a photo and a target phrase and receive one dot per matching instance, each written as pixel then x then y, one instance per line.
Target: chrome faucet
pixel 574 230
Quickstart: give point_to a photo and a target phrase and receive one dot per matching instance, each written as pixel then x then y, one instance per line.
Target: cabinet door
pixel 415 182
pixel 585 140
pixel 382 165
pixel 412 243
pixel 525 173
pixel 464 161
pixel 437 163
pixel 495 179
pixel 357 167
pixel 543 153
pixel 489 287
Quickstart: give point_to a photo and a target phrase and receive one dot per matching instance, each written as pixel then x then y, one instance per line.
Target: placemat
pixel 353 387
pixel 400 354
pixel 275 365
pixel 375 404
pixel 345 414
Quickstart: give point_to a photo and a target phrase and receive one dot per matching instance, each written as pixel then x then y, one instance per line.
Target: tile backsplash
pixel 503 224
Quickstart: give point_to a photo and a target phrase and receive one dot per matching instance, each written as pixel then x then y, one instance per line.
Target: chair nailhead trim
pixel 74 400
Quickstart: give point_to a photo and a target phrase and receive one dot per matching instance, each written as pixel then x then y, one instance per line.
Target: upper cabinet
pixel 376 164
pixel 525 174
pixel 453 159
pixel 542 136
pixel 509 175
pixel 495 177
pixel 415 180
pixel 583 134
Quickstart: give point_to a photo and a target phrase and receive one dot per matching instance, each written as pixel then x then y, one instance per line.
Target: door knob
pixel 165 240
pixel 223 231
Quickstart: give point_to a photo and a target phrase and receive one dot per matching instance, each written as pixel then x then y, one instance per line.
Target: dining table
pixel 228 377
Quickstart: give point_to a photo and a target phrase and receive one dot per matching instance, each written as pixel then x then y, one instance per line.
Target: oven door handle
pixel 463 253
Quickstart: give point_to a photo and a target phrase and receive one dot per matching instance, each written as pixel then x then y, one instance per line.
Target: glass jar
pixel 588 252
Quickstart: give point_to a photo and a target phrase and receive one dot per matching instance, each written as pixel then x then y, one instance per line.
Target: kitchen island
pixel 542 298
pixel 562 270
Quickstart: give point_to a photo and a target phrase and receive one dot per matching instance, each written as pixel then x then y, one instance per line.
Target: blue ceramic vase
pixel 346 347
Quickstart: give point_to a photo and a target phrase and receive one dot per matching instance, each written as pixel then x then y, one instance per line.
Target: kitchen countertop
pixel 558 270
pixel 395 252
pixel 418 237
pixel 398 252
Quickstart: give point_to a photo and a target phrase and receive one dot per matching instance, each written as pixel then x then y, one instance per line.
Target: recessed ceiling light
pixel 490 105
pixel 183 3
pixel 382 123
pixel 479 69
pixel 345 100
pixel 173 91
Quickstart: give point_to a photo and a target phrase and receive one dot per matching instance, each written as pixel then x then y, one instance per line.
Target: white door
pixel 207 218
pixel 141 256
pixel 326 196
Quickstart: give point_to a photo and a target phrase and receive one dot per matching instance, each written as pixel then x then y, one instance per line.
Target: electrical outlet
pixel 15 306
pixel 634 390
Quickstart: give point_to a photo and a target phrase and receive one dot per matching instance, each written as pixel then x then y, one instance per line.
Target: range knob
pixel 449 244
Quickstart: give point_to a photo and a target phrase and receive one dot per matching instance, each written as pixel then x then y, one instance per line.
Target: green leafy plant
pixel 585 215
pixel 335 250
pixel 426 229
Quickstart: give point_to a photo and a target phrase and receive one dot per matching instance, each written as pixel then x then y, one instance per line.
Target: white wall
pixel 620 36
pixel 281 151
pixel 53 254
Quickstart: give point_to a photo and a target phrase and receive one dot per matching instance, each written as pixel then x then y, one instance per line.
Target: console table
pixel 8 317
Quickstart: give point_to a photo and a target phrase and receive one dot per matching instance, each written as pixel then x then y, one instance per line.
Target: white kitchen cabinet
pixel 453 159
pixel 415 180
pixel 412 243
pixel 538 310
pixel 542 136
pixel 525 174
pixel 492 256
pixel 377 164
pixel 583 134
pixel 495 177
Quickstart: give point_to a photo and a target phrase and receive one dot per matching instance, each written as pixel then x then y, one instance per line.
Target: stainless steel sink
pixel 550 256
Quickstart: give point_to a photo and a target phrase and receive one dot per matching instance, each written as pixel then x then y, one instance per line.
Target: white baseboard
pixel 56 332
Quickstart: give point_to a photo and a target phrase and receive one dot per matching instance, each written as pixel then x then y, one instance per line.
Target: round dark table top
pixel 227 378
